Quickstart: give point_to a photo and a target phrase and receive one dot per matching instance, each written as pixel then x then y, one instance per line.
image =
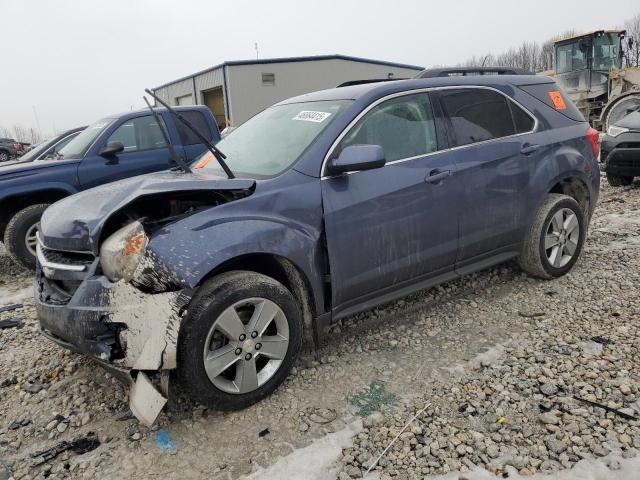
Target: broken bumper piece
pixel 127 331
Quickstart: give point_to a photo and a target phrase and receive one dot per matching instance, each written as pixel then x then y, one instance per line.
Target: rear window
pixel 187 137
pixel 478 115
pixel 553 96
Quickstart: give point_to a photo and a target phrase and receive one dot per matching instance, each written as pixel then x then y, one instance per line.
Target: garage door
pixel 184 100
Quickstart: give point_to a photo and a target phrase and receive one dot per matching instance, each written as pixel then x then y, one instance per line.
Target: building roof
pixel 312 58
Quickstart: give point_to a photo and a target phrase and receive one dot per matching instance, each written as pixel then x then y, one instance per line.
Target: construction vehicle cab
pixel 590 69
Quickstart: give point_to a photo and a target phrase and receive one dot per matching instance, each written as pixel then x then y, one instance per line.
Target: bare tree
pixel 633 33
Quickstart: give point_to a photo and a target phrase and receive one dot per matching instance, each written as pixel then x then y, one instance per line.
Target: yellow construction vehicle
pixel 590 69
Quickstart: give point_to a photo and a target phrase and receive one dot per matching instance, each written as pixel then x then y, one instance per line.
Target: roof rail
pixel 471 71
pixel 371 80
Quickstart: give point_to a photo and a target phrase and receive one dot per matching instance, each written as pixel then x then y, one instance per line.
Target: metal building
pixel 237 90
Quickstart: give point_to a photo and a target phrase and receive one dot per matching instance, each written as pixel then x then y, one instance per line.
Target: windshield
pixel 77 147
pixel 606 52
pixel 269 143
pixel 570 57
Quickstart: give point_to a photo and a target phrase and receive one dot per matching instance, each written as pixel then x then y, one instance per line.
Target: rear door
pixel 145 151
pixel 493 142
pixel 388 226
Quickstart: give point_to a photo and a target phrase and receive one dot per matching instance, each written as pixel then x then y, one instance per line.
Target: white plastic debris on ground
pixel 588 469
pixel 313 462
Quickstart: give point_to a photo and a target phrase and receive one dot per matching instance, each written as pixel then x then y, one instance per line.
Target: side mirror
pixel 111 148
pixel 357 157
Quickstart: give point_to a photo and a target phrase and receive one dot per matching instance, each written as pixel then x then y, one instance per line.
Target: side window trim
pixel 431 91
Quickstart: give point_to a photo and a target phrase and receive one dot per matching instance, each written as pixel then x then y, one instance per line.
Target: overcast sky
pixel 71 62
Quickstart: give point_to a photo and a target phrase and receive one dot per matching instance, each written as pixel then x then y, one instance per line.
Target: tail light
pixel 17 146
pixel 593 137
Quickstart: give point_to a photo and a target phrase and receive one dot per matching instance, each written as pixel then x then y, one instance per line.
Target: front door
pixel 145 151
pixel 389 226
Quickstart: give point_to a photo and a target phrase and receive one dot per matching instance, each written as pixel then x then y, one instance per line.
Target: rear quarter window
pixel 552 95
pixel 187 137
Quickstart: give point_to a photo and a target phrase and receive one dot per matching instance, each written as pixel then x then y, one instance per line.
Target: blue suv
pixel 339 200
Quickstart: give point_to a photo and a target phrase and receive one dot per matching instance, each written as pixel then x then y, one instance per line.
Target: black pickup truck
pixel 111 149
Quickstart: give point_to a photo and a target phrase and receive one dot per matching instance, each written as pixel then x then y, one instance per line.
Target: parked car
pixel 50 148
pixel 10 148
pixel 340 200
pixel 110 150
pixel 621 150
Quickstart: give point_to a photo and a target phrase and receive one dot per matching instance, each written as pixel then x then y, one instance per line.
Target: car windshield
pixel 77 147
pixel 272 141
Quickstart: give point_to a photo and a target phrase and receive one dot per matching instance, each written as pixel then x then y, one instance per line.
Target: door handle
pixel 528 149
pixel 436 176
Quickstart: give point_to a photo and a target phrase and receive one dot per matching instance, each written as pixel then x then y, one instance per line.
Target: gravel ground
pixel 496 358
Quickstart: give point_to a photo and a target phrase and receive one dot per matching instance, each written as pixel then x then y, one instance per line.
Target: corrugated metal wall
pixel 179 89
pixel 248 96
pixel 207 81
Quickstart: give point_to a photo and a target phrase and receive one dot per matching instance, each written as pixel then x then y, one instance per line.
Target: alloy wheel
pixel 246 345
pixel 30 238
pixel 562 237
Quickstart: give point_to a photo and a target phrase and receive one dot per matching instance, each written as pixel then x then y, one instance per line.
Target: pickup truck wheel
pixel 555 239
pixel 4 156
pixel 238 341
pixel 619 180
pixel 20 235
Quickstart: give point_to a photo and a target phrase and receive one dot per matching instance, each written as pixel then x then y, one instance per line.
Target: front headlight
pixel 121 253
pixel 614 131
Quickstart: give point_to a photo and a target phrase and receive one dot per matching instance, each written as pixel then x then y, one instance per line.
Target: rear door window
pixel 403 126
pixel 140 133
pixel 187 137
pixel 479 114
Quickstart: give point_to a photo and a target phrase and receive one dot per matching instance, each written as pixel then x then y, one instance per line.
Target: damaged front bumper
pixel 129 332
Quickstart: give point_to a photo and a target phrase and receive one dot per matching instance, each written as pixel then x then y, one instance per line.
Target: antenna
pixel 255 45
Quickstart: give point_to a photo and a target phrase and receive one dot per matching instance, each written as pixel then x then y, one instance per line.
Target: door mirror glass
pixel 357 157
pixel 111 149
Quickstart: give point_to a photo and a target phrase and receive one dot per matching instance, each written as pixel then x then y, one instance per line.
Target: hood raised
pixel 75 223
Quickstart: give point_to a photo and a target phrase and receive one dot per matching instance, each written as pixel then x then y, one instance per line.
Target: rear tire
pixel 22 225
pixel 218 350
pixel 4 156
pixel 619 180
pixel 554 241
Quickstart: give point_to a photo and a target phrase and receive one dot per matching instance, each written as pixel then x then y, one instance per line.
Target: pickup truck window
pixel 140 133
pixel 403 127
pixel 272 141
pixel 187 137
pixel 77 147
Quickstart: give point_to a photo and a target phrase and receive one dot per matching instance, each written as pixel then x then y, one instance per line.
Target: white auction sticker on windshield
pixel 311 116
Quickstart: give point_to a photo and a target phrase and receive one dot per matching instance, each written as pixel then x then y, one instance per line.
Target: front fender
pixel 187 257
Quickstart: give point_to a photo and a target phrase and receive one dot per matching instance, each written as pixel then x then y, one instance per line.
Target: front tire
pixel 554 241
pixel 20 235
pixel 619 180
pixel 238 341
pixel 4 156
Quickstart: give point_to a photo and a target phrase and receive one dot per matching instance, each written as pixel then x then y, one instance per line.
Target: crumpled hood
pixel 75 223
